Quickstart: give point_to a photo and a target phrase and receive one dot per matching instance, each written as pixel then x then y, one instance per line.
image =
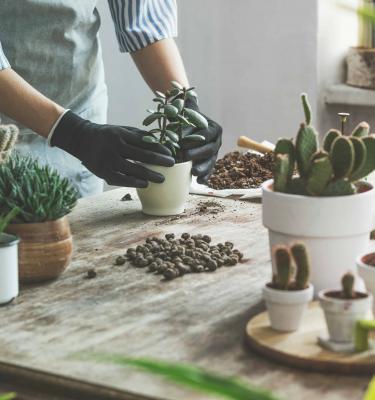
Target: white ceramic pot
pixel 367 272
pixel 8 268
pixel 285 308
pixel 335 230
pixel 169 197
pixel 341 315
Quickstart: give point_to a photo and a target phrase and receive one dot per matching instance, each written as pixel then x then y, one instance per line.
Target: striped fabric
pixel 139 23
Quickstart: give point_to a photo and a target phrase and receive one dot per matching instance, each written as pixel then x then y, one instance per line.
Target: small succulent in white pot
pixel 8 260
pixel 318 196
pixel 343 308
pixel 175 125
pixel 289 292
pixel 366 270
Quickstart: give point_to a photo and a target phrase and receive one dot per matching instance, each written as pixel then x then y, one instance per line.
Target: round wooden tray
pixel 300 349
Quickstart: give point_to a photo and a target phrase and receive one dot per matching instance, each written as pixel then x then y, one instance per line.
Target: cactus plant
pixel 175 121
pixel 347 283
pixel 292 267
pixel 332 171
pixel 8 138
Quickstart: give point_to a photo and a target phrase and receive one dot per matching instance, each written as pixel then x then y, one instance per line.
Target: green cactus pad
pixel 297 186
pixel 286 146
pixel 306 146
pixel 320 174
pixel 342 187
pixel 306 108
pixel 283 266
pixel 361 337
pixel 302 261
pixel 361 130
pixel 281 173
pixel 342 157
pixel 369 165
pixel 360 154
pixel 329 138
pixel 347 283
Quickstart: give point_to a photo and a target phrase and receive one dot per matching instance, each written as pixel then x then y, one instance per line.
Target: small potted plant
pixel 8 138
pixel 366 270
pixel 8 260
pixel 289 292
pixel 318 195
pixel 175 125
pixel 343 308
pixel 44 199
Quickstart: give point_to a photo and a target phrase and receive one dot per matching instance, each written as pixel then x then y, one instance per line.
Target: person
pixel 52 85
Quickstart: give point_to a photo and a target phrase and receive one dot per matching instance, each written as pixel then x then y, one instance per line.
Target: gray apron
pixel 54 45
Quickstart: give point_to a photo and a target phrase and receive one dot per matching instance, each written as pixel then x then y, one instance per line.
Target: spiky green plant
pixel 6 219
pixel 174 119
pixel 332 171
pixel 8 138
pixel 38 191
pixel 347 283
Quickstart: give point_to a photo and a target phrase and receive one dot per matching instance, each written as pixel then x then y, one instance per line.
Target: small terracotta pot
pixel 45 249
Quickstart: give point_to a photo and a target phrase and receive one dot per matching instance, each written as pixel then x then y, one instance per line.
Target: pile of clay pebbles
pixel 242 171
pixel 174 258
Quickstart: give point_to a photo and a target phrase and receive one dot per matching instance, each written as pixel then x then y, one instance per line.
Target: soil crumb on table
pixel 242 171
pixel 209 207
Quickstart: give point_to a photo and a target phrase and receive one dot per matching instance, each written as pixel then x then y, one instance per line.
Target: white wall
pixel 250 60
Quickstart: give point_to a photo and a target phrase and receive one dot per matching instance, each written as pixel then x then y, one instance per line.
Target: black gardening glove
pixel 203 155
pixel 108 151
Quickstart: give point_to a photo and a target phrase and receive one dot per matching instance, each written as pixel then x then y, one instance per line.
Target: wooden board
pixel 300 349
pixel 198 319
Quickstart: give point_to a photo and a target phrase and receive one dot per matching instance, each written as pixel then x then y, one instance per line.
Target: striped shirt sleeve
pixel 4 63
pixel 138 23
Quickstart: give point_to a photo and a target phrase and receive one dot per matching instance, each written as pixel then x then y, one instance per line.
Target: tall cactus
pixel 302 261
pixel 8 138
pixel 284 267
pixel 347 283
pixel 332 171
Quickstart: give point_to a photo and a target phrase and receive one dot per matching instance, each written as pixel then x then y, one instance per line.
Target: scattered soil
pixel 209 207
pixel 337 294
pixel 91 274
pixel 242 171
pixel 369 259
pixel 127 197
pixel 174 257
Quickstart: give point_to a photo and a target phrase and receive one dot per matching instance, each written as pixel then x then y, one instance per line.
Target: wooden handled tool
pixel 244 141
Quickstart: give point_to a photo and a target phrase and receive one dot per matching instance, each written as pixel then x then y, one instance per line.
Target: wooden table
pixel 198 319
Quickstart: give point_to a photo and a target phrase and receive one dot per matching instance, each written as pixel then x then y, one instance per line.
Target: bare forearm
pixel 160 63
pixel 24 104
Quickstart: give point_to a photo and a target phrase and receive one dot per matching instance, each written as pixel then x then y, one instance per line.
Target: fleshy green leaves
pixel 150 139
pixel 152 118
pixel 342 157
pixel 170 111
pixel 306 108
pixel 196 118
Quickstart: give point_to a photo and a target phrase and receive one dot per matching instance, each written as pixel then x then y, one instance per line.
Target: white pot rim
pixel 362 264
pixel 288 296
pixel 322 295
pixel 175 166
pixel 266 187
pixel 7 240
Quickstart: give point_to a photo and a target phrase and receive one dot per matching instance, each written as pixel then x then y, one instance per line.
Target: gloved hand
pixel 108 151
pixel 203 155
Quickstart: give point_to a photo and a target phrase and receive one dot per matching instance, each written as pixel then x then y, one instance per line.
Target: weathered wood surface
pixel 199 319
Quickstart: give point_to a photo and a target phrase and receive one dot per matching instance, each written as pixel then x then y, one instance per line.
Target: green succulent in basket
pixel 332 170
pixel 38 192
pixel 173 119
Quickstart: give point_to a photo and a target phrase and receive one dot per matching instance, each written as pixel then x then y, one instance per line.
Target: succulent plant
pixel 38 191
pixel 347 283
pixel 292 267
pixel 174 119
pixel 330 171
pixel 8 138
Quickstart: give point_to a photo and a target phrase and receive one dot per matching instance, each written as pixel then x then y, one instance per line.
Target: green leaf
pixel 149 139
pixel 150 111
pixel 158 100
pixel 177 85
pixel 170 111
pixel 191 93
pixel 196 118
pixel 8 396
pixel 160 94
pixel 179 104
pixel 151 118
pixel 370 394
pixel 4 221
pixel 195 138
pixel 173 143
pixel 192 377
pixel 172 135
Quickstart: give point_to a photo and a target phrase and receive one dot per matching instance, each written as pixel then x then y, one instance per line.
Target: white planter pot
pixel 335 230
pixel 285 308
pixel 169 197
pixel 8 268
pixel 367 272
pixel 341 315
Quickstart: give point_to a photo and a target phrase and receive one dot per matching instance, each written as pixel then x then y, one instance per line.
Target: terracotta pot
pixel 361 67
pixel 45 249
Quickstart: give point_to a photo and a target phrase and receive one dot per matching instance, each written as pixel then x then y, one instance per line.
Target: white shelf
pixel 344 94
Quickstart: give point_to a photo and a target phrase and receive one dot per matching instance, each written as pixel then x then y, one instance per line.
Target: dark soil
pixel 209 207
pixel 91 274
pixel 337 294
pixel 127 197
pixel 242 171
pixel 369 259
